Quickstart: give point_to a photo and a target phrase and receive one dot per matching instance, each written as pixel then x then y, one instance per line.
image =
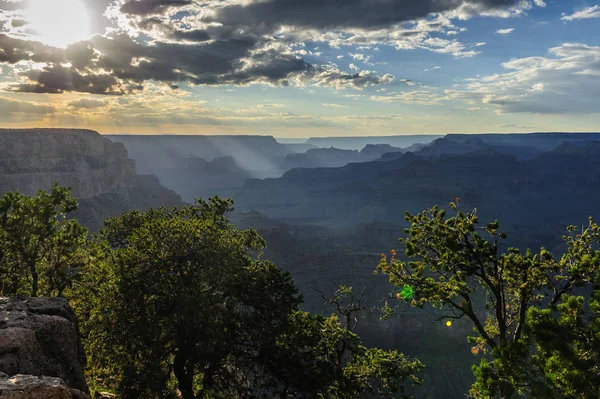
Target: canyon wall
pixel 90 164
pixel 102 176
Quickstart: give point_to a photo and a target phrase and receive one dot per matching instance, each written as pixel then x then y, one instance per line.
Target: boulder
pixel 40 349
pixel 23 386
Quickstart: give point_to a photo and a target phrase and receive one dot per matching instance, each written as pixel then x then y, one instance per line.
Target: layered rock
pixel 90 164
pixel 41 355
pixel 99 171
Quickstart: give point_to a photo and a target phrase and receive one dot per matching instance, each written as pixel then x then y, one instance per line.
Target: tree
pixel 319 357
pixel 457 265
pixel 182 304
pixel 567 336
pixel 40 249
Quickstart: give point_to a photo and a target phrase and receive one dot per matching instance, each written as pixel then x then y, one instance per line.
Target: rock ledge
pixel 41 355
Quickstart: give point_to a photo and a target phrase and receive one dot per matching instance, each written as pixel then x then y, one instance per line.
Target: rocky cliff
pixel 99 171
pixel 41 355
pixel 31 160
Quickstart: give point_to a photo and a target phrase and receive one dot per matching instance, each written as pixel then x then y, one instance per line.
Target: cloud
pixel 147 7
pixel 232 42
pixel 87 103
pixel 57 79
pixel 13 109
pixel 270 106
pixel 432 68
pixel 505 32
pixel 587 13
pixel 335 14
pixel 564 81
pixel 423 97
pixel 334 105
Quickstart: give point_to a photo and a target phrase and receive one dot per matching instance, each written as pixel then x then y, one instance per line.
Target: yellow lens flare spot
pixel 449 323
pixel 58 23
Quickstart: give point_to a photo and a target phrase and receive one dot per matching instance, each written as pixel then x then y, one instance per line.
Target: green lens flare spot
pixel 407 292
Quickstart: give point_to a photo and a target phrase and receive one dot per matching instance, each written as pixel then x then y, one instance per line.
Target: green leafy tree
pixel 41 251
pixel 179 302
pixel 319 357
pixel 457 265
pixel 567 336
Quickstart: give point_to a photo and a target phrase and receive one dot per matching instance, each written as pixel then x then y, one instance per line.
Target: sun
pixel 58 22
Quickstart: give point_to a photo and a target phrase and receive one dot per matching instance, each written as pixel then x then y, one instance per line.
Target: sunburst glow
pixel 58 22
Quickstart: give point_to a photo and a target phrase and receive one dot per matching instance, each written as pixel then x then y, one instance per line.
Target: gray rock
pixel 23 386
pixel 39 337
pixel 33 159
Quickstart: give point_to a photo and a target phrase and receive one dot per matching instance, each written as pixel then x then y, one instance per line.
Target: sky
pixel 301 68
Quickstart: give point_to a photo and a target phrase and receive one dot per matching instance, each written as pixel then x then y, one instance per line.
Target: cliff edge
pixel 41 355
pixel 102 176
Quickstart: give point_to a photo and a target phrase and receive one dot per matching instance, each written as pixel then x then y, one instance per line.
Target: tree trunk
pixel 34 280
pixel 208 381
pixel 185 381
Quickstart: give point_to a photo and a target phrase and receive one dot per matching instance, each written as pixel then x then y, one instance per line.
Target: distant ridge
pixel 359 142
pixel 544 141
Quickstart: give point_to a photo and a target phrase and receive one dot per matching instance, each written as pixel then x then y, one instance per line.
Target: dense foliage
pixel 181 303
pixel 41 251
pixel 537 340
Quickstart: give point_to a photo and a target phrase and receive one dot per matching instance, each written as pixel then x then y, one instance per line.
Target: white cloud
pixel 423 97
pixel 334 105
pixel 505 32
pixel 588 13
pixel 432 69
pixel 565 81
pixel 270 105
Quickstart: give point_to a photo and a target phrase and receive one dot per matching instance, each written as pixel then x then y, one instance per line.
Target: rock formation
pixel 41 355
pixel 90 164
pixel 101 175
pixel 356 143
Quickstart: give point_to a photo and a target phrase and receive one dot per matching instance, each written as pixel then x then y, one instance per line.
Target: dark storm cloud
pixel 13 50
pixel 191 35
pixel 323 14
pixel 117 64
pixel 147 7
pixel 194 35
pixel 238 49
pixel 58 79
pixel 170 62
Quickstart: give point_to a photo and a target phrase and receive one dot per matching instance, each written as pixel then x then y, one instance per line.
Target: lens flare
pixel 58 22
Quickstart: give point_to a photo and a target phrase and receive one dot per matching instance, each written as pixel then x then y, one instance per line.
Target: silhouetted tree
pixel 182 303
pixel 453 263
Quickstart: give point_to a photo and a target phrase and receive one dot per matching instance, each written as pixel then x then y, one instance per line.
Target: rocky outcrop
pixel 41 355
pixel 99 171
pixel 31 387
pixel 33 159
